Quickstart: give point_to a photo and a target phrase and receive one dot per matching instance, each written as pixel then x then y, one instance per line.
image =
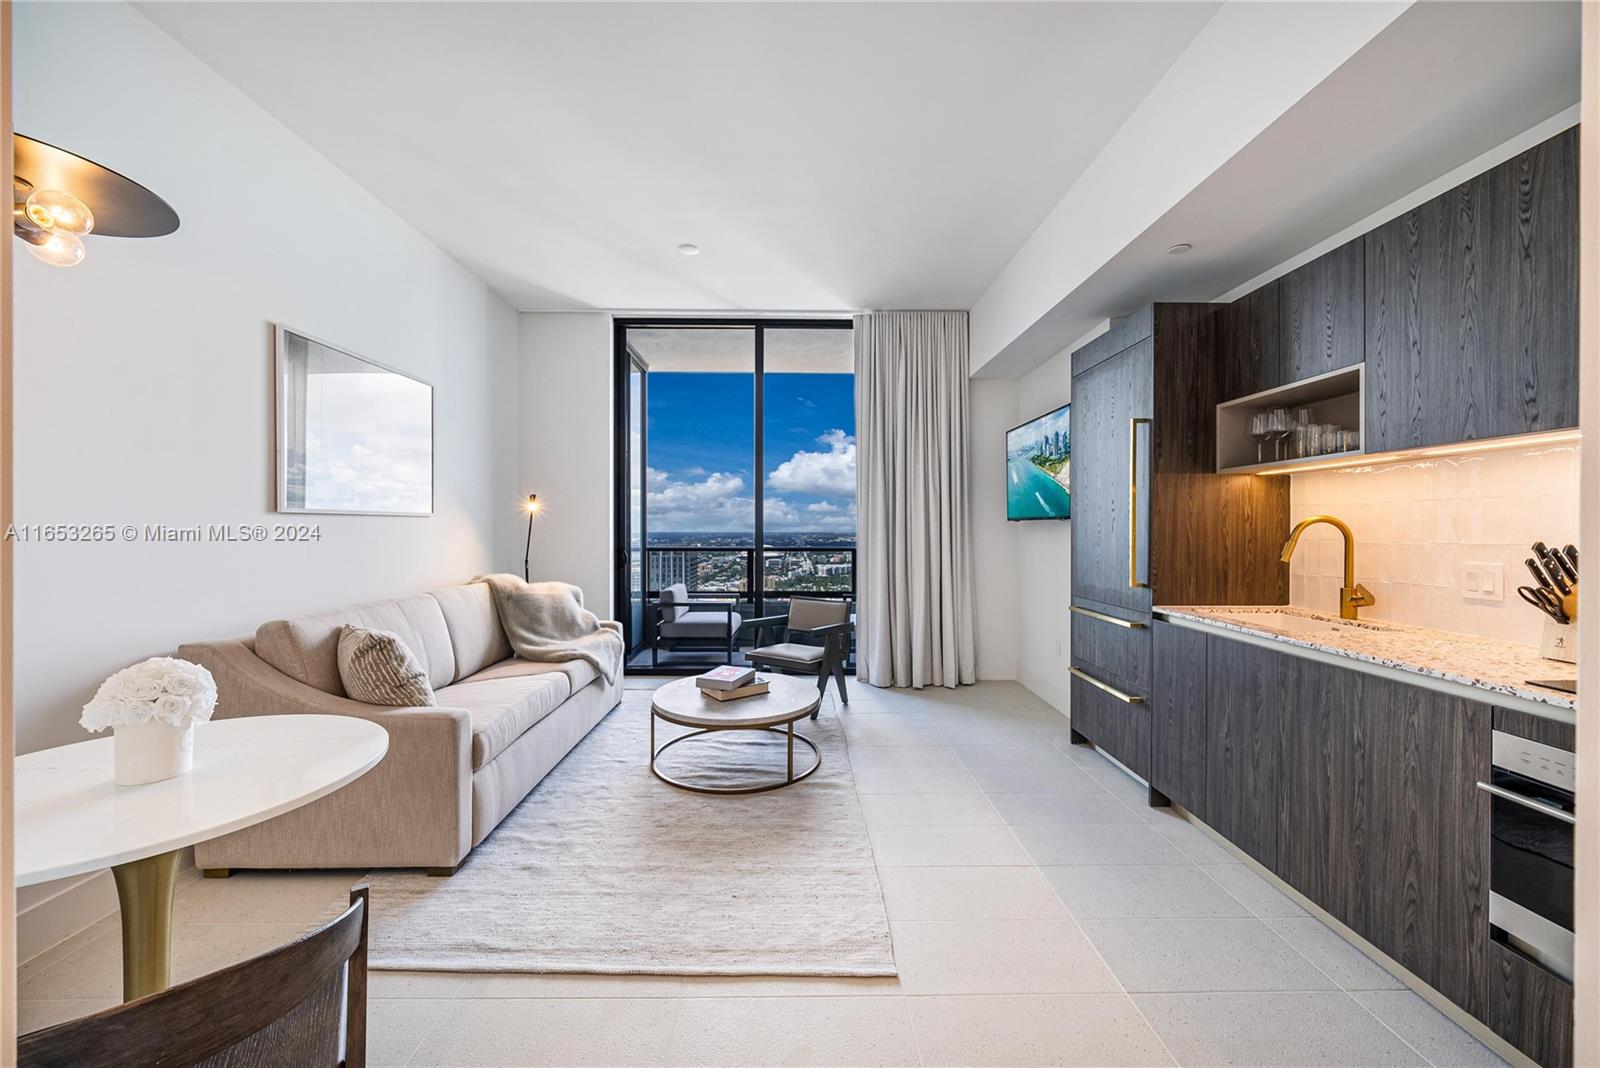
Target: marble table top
pixel 72 817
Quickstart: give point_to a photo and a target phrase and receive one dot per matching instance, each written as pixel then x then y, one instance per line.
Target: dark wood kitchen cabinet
pixel 1249 342
pixel 1472 307
pixel 1152 520
pixel 1360 792
pixel 1323 742
pixel 1422 844
pixel 1307 323
pixel 1178 702
pixel 1245 703
pixel 1112 406
pixel 1530 1007
pixel 1321 314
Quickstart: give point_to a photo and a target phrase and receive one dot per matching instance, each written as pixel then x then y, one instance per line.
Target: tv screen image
pixel 1038 466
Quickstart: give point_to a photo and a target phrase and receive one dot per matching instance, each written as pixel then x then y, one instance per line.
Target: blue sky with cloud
pixel 701 452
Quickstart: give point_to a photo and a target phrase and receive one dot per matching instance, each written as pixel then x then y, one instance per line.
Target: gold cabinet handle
pixel 1125 698
pixel 1131 624
pixel 1133 504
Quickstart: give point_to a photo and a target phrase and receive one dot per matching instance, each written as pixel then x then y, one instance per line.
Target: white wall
pixel 144 376
pixel 1044 557
pixel 995 576
pixel 566 450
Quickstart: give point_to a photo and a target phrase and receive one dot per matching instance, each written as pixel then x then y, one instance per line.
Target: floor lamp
pixel 532 508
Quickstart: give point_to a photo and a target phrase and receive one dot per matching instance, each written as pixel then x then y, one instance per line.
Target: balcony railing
pixel 730 570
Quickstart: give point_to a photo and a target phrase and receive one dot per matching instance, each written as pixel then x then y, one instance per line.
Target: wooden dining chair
pixel 808 620
pixel 285 1007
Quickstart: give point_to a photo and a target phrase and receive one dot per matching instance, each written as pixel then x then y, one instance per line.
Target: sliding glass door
pixel 738 469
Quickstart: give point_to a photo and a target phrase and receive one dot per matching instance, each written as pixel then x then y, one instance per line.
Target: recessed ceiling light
pixel 1179 249
pixel 689 249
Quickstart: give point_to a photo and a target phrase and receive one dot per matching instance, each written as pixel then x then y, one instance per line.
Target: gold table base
pixel 761 788
pixel 144 890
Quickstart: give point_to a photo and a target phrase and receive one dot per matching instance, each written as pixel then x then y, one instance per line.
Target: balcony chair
pixel 683 623
pixel 808 618
pixel 283 1007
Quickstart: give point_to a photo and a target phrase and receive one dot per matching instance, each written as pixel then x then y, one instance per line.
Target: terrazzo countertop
pixel 1482 663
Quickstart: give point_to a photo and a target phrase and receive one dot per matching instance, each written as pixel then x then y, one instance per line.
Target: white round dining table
pixel 72 818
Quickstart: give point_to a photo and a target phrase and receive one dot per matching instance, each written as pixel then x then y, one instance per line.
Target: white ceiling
pixel 824 156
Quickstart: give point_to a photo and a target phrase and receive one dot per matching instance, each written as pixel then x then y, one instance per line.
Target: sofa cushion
pixel 307 649
pixel 376 667
pixel 502 708
pixel 706 624
pixel 675 594
pixel 476 636
pixel 579 673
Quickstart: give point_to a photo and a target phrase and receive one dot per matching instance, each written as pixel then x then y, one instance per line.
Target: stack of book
pixel 729 683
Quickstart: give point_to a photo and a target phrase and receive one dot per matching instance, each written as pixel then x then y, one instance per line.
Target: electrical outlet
pixel 1483 582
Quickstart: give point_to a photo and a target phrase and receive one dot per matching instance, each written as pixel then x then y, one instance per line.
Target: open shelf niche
pixel 1334 397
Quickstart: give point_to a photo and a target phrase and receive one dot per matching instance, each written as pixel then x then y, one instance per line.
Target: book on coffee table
pixel 753 689
pixel 727 677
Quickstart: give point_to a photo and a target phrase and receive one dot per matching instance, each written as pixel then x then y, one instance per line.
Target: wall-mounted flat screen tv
pixel 1038 463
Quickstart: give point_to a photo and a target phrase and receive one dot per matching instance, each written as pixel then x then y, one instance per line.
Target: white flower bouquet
pixel 152 708
pixel 162 689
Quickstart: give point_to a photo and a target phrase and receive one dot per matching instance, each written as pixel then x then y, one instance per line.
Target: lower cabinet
pixel 1245 705
pixel 1116 719
pixel 1358 791
pixel 1423 841
pixel 1178 716
pixel 1530 1007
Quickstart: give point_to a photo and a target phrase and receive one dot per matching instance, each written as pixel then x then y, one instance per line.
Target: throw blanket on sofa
pixel 546 621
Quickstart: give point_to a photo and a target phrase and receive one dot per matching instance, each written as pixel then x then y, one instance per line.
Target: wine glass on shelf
pixel 1258 430
pixel 1278 427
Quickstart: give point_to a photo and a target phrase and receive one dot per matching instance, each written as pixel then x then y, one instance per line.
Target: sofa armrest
pixel 413 810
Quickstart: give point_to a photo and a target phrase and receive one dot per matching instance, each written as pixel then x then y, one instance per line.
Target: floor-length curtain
pixel 914 588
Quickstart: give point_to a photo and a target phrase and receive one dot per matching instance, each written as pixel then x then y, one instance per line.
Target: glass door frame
pixel 626 360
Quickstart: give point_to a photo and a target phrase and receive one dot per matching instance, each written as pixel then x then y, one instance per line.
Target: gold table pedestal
pixel 144 890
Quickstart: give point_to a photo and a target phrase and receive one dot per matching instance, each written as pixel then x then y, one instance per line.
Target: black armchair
pixel 681 622
pixel 807 618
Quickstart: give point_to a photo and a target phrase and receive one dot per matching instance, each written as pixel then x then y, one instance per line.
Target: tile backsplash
pixel 1420 524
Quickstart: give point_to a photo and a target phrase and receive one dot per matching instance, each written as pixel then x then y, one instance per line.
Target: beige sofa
pixel 452 772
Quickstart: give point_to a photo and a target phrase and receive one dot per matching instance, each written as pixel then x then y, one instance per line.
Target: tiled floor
pixel 1042 914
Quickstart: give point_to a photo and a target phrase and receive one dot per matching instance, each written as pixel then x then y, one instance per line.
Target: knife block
pixel 1560 642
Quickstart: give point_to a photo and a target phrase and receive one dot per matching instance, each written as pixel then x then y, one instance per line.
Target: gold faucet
pixel 1352 595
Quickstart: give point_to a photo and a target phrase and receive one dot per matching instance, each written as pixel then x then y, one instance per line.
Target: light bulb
pixel 51 209
pixel 58 248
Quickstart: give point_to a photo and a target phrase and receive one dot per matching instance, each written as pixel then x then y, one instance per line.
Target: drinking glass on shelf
pixel 1313 439
pixel 1279 427
pixel 1259 431
pixel 1330 438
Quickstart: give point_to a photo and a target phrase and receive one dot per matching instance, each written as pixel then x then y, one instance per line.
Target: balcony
pixel 728 573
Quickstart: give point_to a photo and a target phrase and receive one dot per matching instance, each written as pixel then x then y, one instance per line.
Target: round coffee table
pixel 788 699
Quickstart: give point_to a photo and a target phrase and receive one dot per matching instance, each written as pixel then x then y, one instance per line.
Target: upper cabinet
pixel 1464 311
pixel 1302 325
pixel 1320 314
pixel 1472 307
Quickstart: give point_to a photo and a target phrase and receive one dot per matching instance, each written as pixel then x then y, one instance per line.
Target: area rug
pixel 606 869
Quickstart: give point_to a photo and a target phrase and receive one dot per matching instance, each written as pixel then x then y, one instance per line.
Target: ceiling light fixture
pixel 51 194
pixel 1179 249
pixel 689 249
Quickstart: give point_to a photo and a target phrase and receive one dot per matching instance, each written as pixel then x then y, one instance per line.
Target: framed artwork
pixel 353 436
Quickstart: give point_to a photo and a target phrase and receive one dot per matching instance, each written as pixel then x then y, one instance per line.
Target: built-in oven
pixel 1531 833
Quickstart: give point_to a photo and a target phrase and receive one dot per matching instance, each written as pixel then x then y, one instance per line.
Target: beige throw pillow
pixel 376 667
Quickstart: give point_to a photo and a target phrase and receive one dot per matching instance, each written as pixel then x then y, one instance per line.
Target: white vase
pixel 151 752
